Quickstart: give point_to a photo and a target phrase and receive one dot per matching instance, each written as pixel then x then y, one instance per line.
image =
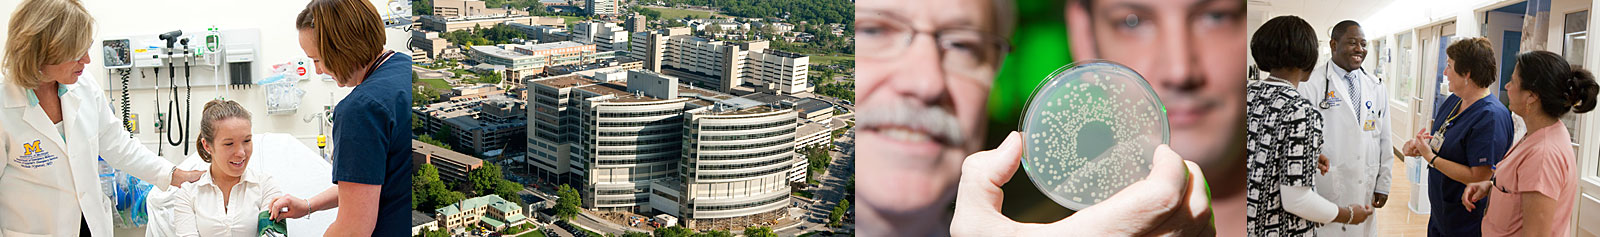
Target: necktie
pixel 1350 80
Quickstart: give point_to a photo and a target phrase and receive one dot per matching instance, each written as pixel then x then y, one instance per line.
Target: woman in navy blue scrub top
pixel 1471 131
pixel 371 126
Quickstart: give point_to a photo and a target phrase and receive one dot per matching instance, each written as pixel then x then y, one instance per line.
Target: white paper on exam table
pixel 298 170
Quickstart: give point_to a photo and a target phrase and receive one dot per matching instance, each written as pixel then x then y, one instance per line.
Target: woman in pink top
pixel 1533 189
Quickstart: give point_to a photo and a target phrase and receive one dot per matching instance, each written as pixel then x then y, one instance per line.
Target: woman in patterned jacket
pixel 1284 135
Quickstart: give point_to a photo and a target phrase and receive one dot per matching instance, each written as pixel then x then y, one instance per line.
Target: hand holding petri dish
pixel 1091 130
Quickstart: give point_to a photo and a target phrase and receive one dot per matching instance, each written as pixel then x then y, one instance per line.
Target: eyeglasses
pixel 967 52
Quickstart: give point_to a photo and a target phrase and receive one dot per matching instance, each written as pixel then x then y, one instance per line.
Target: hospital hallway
pixel 1397 217
pixel 1405 44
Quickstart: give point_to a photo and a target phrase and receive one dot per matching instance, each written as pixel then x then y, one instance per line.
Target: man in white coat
pixel 1357 143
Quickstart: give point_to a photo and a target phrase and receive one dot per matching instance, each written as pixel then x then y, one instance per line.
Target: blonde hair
pixel 349 35
pixel 45 32
pixel 214 111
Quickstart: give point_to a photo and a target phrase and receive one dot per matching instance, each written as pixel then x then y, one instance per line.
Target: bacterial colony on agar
pixel 1090 130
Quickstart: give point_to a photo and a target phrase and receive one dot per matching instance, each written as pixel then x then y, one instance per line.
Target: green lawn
pixel 436 84
pixel 532 234
pixel 818 74
pixel 674 13
pixel 571 19
pixel 829 59
pixel 461 72
pixel 802 193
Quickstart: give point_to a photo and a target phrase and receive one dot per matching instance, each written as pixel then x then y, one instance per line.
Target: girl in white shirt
pixel 229 198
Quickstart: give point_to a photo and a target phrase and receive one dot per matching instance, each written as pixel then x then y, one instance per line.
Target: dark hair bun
pixel 1560 87
pixel 1583 91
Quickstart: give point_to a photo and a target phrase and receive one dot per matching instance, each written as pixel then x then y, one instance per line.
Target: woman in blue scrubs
pixel 1471 131
pixel 371 126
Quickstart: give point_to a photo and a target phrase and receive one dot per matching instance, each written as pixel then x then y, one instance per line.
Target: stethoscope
pixel 1327 89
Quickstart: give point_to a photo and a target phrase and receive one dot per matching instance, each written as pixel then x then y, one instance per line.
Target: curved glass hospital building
pixel 649 145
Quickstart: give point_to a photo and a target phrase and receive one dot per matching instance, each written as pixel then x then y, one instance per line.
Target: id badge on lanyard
pixel 1369 120
pixel 1438 136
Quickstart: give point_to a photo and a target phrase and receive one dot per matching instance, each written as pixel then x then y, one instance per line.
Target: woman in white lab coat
pixel 54 123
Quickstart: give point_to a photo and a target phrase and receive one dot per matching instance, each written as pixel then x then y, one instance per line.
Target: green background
pixel 1039 46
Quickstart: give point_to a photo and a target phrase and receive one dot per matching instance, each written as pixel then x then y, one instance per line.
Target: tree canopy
pixel 813 11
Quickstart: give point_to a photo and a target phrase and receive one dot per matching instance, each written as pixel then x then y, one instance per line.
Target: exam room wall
pixel 279 42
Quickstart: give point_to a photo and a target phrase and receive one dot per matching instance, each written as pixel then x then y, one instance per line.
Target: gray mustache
pixel 938 122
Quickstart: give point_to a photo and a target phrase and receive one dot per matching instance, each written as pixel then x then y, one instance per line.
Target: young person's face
pixel 230 146
pixel 1190 51
pixel 308 43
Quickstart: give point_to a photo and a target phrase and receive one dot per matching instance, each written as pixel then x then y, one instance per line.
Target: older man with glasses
pixel 926 71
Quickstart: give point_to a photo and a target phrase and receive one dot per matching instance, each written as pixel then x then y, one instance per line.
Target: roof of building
pixel 497 51
pixel 536 199
pixel 807 105
pixel 807 129
pixel 770 98
pixel 742 103
pixel 491 201
pixel 510 50
pixel 725 104
pixel 492 222
pixel 419 218
pixel 667 218
pixel 514 218
pixel 541 27
pixel 701 97
pixel 812 105
pixel 420 147
pixel 552 45
pixel 719 21
pixel 563 81
pixel 467 101
pixel 619 90
pixel 482 17
pixel 501 204
pixel 736 109
pixel 673 183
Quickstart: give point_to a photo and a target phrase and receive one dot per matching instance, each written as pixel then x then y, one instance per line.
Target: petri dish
pixel 1089 131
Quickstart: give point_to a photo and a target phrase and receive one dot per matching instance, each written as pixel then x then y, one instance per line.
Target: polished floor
pixel 1396 217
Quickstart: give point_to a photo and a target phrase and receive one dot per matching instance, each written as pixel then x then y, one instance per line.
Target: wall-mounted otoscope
pixel 170 37
pixel 229 54
pixel 176 111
